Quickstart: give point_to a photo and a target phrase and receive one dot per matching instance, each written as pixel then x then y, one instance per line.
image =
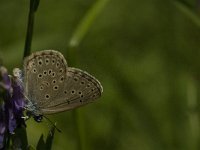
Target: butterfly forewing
pixel 45 73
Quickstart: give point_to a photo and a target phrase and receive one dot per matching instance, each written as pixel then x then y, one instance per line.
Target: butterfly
pixel 50 86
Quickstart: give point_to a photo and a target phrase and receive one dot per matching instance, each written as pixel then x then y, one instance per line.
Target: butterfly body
pixel 50 86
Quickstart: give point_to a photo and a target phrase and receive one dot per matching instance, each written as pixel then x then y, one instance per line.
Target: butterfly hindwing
pixel 80 88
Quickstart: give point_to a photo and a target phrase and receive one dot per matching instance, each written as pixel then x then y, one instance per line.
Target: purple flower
pixel 2 126
pixel 11 109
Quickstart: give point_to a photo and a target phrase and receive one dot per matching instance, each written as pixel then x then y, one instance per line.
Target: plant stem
pixel 79 125
pixel 193 137
pixel 29 34
pixel 187 10
pixel 86 22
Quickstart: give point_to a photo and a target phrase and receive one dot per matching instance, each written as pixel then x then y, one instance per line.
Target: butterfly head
pixel 38 118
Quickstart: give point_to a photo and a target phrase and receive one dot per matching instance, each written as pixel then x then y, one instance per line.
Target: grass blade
pixel 86 22
pixel 187 10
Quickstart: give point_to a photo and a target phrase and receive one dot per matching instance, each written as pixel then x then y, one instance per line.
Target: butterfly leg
pixel 28 116
pixel 25 117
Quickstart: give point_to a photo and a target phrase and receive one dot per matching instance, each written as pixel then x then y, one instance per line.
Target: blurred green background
pixel 146 55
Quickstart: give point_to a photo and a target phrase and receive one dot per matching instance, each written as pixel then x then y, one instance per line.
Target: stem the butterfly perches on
pixel 29 34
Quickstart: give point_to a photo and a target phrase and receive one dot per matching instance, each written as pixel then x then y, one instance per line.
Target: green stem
pixel 86 22
pixel 79 125
pixel 187 10
pixel 193 137
pixel 29 34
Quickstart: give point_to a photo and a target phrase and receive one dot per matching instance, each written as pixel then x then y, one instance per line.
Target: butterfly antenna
pixel 53 124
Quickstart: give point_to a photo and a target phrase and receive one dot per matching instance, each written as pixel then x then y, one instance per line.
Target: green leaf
pixel 19 139
pixel 50 137
pixel 30 147
pixel 41 143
